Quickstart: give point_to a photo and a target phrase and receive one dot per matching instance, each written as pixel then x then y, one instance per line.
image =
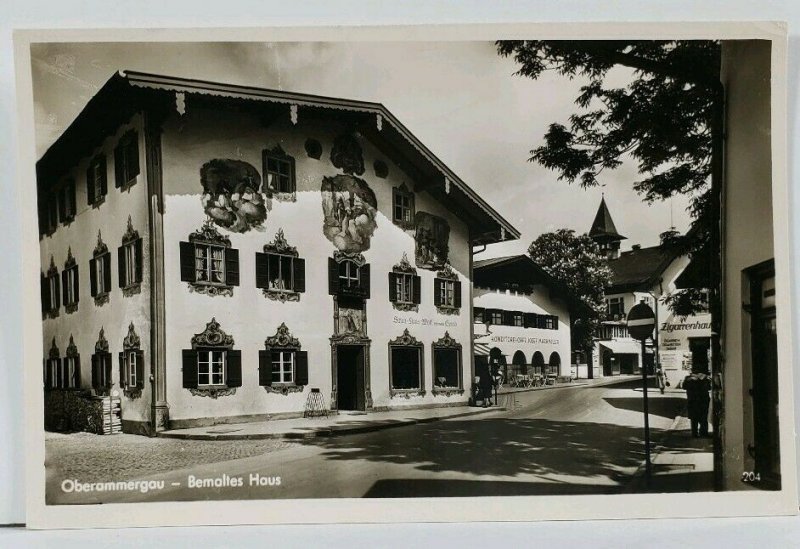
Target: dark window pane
pixel 445 366
pixel 405 368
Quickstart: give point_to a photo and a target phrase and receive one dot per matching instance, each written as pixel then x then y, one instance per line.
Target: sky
pixel 459 98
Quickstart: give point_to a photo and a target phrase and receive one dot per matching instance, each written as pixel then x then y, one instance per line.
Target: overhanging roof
pixel 127 92
pixel 639 269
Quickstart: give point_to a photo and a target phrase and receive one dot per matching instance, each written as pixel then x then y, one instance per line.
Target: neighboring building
pixel 522 318
pixel 645 275
pixel 213 252
pixel 747 378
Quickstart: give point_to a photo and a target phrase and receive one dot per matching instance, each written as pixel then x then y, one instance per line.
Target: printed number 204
pixel 750 476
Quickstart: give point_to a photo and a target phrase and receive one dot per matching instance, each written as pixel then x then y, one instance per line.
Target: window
pixel 404 288
pixel 100 274
pixel 406 368
pixel 530 320
pixel 96 180
pixel 518 321
pixel 129 376
pixel 71 372
pixel 210 367
pixel 209 264
pixel 280 273
pixel 446 367
pixel 48 214
pixel 348 278
pixel 66 202
pixel 129 260
pixel 282 366
pixel 69 282
pixel 447 293
pixel 478 312
pixel 126 160
pixel 403 207
pixel 101 371
pixel 496 317
pixel 52 373
pixel 551 322
pixel 616 307
pixel 279 173
pixel 53 292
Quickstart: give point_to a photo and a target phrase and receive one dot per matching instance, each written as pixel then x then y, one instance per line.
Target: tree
pixel 663 119
pixel 576 261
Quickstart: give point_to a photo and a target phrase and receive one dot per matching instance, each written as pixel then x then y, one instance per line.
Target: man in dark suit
pixel 697 386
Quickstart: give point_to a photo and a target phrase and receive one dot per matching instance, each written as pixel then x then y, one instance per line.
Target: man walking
pixel 697 386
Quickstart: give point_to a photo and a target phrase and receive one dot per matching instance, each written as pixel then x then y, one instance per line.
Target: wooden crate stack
pixel 112 421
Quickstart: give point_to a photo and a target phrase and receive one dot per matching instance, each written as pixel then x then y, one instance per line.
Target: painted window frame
pixel 447 344
pixel 406 342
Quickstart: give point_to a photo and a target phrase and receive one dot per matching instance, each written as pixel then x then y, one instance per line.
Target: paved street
pixel 566 440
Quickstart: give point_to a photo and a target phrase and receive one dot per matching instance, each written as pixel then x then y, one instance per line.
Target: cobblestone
pixel 92 458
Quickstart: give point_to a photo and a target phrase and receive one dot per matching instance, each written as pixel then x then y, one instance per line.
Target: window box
pixel 280 273
pixel 208 263
pixel 282 365
pixel 96 181
pixel 406 368
pixel 126 160
pixel 212 367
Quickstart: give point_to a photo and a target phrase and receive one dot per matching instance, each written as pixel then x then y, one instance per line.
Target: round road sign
pixel 641 321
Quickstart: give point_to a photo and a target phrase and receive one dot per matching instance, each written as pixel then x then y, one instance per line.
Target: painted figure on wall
pixel 432 237
pixel 232 195
pixel 351 321
pixel 349 208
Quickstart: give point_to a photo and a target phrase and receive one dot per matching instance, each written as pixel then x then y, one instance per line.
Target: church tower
pixel 605 233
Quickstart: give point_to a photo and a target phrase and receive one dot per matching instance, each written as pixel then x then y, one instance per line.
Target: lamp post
pixel 641 321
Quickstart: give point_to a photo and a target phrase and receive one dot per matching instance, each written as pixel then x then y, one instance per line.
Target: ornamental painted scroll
pixel 232 196
pixel 212 336
pixel 407 340
pixel 101 346
pixel 432 240
pixel 349 209
pixel 208 234
pixel 405 267
pixel 54 352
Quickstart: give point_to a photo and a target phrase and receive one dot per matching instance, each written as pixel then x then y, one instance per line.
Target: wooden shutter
pixel 93 277
pixel 71 197
pixel 541 321
pixel 299 267
pixel 107 271
pixel 417 281
pixel 264 368
pixel 121 266
pixel 233 362
pixel 118 164
pixel 132 152
pixel 58 293
pixel 333 276
pixel 301 368
pixel 393 287
pixel 365 280
pixel 262 270
pixel 123 382
pixel 138 253
pixel 232 266
pixel 76 289
pixel 103 175
pixel 140 369
pixel 457 294
pixel 77 364
pixel 48 380
pixel 437 291
pixel 64 288
pixel 528 320
pixel 555 322
pixel 508 318
pixel 187 262
pixel 95 372
pixel 189 369
pixel 62 204
pixel 90 197
pixel 45 294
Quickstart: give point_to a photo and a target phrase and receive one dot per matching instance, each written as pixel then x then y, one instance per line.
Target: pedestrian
pixel 661 378
pixel 484 384
pixel 697 385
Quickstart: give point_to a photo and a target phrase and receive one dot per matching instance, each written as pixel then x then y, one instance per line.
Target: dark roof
pixel 522 272
pixel 603 225
pixel 639 268
pixel 128 92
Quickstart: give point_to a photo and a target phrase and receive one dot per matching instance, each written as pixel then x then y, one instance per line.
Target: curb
pixel 638 475
pixel 331 431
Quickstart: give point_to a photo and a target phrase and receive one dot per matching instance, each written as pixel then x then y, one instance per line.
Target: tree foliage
pixel 661 119
pixel 576 261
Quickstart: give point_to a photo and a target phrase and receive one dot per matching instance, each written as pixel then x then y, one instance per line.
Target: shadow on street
pixel 401 488
pixel 667 407
pixel 500 447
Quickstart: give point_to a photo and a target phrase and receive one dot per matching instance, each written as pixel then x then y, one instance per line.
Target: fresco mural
pixel 432 237
pixel 349 208
pixel 346 155
pixel 232 195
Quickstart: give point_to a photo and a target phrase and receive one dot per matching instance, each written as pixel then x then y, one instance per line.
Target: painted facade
pixel 287 258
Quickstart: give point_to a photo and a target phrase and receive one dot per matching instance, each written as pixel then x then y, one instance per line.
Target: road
pixel 570 440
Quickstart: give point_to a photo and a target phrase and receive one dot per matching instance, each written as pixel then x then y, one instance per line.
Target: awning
pixel 623 346
pixel 481 349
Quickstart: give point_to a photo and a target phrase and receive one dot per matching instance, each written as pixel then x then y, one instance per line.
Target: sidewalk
pixel 334 425
pixel 680 463
pixel 610 380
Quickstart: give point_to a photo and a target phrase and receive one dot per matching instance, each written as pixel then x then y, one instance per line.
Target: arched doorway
pixel 497 361
pixel 538 363
pixel 554 365
pixel 520 364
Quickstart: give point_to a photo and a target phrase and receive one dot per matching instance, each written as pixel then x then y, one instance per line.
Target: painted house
pixel 646 275
pixel 522 319
pixel 213 253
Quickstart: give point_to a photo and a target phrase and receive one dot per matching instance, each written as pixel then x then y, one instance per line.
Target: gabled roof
pixel 522 272
pixel 603 225
pixel 639 268
pixel 128 92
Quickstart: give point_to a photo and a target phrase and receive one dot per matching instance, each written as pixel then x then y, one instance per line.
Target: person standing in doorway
pixel 697 386
pixel 661 379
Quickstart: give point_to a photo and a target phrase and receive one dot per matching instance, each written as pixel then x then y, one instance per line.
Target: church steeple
pixel 604 232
